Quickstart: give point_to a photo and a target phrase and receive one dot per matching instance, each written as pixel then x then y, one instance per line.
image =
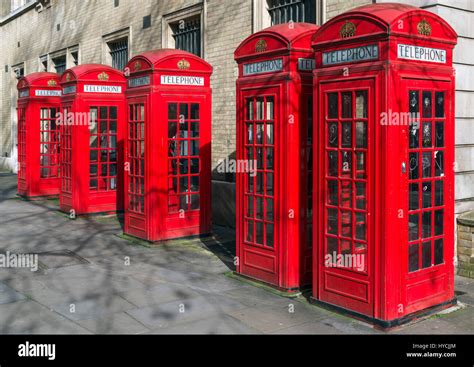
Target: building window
pixel 184 30
pixel 59 64
pixel 273 12
pixel 284 11
pixel 17 4
pixel 119 53
pixel 187 36
pixel 19 70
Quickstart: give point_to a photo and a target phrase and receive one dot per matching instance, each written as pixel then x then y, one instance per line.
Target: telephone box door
pixel 346 250
pixel 428 183
pixel 258 236
pixel 188 152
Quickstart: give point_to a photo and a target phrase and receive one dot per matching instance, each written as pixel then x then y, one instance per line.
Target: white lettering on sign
pixel 102 89
pixel 348 55
pixel 139 82
pixel 269 66
pixel 182 80
pixel 410 52
pixel 47 93
pixel 69 90
pixel 306 64
pixel 24 93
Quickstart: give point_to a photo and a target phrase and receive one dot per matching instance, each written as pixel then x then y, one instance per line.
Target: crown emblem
pixel 348 30
pixel 184 64
pixel 137 66
pixel 22 84
pixel 103 76
pixel 261 45
pixel 52 83
pixel 424 28
pixel 68 77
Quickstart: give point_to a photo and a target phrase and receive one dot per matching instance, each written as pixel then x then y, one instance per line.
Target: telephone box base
pixel 282 292
pixel 384 324
pixel 36 198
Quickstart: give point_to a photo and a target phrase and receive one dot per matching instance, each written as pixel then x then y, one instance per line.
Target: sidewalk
pixel 92 281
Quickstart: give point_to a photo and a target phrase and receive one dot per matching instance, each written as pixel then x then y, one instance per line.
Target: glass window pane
pixel 194 129
pixel 270 133
pixel 331 246
pixel 333 102
pixel 346 104
pixel 439 220
pixel 195 111
pixel 269 108
pixel 270 184
pixel 259 105
pixel 346 138
pixel 250 234
pixel 259 239
pixel 439 191
pixel 269 213
pixel 333 193
pixel 361 227
pixel 269 235
pixel 250 210
pixel 104 113
pixel 346 193
pixel 332 135
pixel 414 133
pixel 414 99
pixel 259 134
pixel 426 255
pixel 332 226
pixel 413 227
pixel 413 258
pixel 439 164
pixel 414 195
pixel 332 163
pixel 361 104
pixel 427 164
pixel 346 224
pixel 426 225
pixel 250 114
pixel 427 107
pixel 346 163
pixel 427 194
pixel 361 197
pixel 183 111
pixel 439 134
pixel 439 105
pixel 361 134
pixel 414 166
pixel 259 207
pixel 172 111
pixel 439 252
pixel 427 135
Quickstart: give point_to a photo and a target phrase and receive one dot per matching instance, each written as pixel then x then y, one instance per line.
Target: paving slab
pixel 116 323
pixel 9 295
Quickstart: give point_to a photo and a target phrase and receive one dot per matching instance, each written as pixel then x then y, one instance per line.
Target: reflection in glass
pixel 361 104
pixel 439 105
pixel 426 225
pixel 427 163
pixel 414 166
pixel 427 107
pixel 439 164
pixel 414 135
pixel 250 115
pixel 360 192
pixel 426 255
pixel 250 234
pixel 413 227
pixel 332 226
pixel 332 135
pixel 413 258
pixel 346 104
pixel 332 163
pixel 346 224
pixel 439 252
pixel 427 135
pixel 346 139
pixel 361 233
pixel 332 192
pixel 331 246
pixel 414 99
pixel 269 108
pixel 333 102
pixel 346 194
pixel 414 196
pixel 361 134
pixel 427 195
pixel 439 132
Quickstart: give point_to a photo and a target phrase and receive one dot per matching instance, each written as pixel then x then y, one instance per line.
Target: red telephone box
pixel 274 140
pixel 168 150
pixel 384 88
pixel 38 135
pixel 92 134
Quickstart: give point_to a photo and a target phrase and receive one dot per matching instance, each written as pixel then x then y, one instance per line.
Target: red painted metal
pixel 384 177
pixel 168 150
pixel 38 135
pixel 92 137
pixel 274 122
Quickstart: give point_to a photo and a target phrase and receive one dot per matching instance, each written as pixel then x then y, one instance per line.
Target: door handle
pixel 404 168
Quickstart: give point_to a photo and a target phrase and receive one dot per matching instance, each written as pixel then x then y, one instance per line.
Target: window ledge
pixel 20 11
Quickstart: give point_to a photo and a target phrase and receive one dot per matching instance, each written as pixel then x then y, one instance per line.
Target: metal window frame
pixel 119 51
